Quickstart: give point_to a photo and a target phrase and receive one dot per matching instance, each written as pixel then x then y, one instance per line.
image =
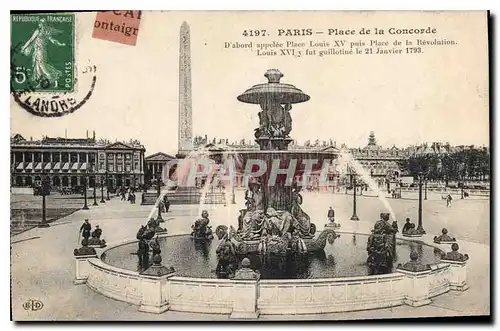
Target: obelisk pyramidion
pixel 185 107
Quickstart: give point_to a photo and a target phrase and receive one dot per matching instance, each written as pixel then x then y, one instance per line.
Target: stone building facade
pixel 67 162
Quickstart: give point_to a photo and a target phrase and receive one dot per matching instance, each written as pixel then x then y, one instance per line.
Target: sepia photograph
pixel 249 165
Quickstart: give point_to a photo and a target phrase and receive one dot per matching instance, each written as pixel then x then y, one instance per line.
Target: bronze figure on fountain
pixel 200 229
pixel 381 246
pixel 95 240
pixel 154 226
pixel 273 221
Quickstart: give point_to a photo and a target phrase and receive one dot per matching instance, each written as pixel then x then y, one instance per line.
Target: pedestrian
pixel 85 229
pixel 331 215
pixel 448 201
pixel 123 193
pixel 166 203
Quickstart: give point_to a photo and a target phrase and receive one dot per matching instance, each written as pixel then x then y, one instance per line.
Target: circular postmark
pixel 35 99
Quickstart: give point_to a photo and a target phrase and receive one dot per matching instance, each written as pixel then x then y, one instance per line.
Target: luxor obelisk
pixel 185 106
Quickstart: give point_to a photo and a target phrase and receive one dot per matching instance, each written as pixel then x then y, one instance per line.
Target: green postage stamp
pixel 43 56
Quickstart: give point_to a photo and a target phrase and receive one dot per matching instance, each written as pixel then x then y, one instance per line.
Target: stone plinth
pixel 245 292
pixel 412 235
pixel 155 287
pixel 332 225
pixel 245 299
pixel 457 275
pixel 82 268
pixel 417 287
pixel 149 198
pixel 155 293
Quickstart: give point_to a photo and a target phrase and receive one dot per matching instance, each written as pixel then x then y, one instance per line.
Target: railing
pixel 119 284
pixel 330 295
pixel 201 295
pixel 248 298
pixel 439 279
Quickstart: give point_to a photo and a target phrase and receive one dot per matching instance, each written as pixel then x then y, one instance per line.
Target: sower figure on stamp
pixel 36 47
pixel 85 229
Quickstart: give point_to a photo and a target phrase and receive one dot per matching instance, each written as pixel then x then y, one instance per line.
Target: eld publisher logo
pixel 32 304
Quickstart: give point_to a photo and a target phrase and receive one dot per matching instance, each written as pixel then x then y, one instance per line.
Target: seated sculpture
pixel 200 229
pixel 408 228
pixel 95 239
pixel 454 255
pixel 240 218
pixel 414 265
pixel 84 250
pixel 302 221
pixel 444 237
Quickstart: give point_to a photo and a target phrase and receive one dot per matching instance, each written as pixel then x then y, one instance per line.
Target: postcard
pixel 279 165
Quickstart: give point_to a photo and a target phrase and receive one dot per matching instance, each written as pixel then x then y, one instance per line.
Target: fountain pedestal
pixel 82 257
pixel 245 303
pixel 154 281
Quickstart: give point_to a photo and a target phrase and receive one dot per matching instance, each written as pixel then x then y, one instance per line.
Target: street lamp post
pixel 354 217
pixel 95 195
pixel 45 191
pixel 85 206
pixel 159 218
pixel 462 187
pixel 102 190
pixel 107 186
pixel 420 228
pixel 233 198
pixel 425 196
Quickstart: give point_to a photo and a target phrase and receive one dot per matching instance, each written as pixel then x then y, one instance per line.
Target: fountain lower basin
pixel 346 257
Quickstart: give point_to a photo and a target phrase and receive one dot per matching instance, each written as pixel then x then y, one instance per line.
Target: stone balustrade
pixel 457 274
pixel 421 286
pixel 202 295
pixel 309 296
pixel 249 298
pixel 116 283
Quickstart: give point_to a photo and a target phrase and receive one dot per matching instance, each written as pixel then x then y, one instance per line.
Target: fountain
pixel 273 199
pixel 275 261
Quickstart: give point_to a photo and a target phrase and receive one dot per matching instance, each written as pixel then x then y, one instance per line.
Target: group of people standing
pixel 127 195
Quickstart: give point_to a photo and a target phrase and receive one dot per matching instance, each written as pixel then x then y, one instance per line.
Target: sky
pixel 439 95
